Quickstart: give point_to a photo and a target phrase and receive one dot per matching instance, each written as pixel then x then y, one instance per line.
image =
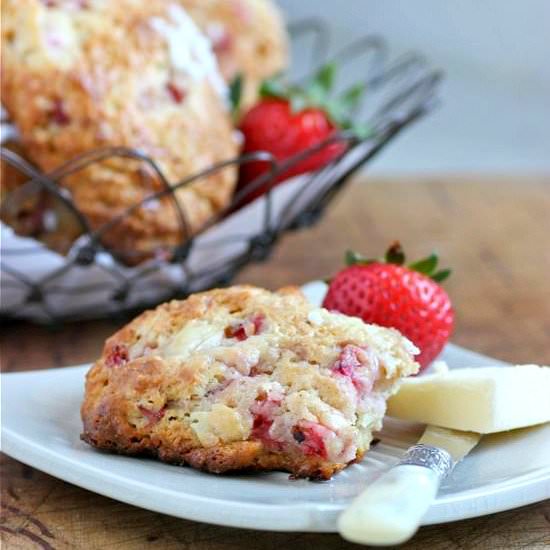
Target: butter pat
pixel 483 400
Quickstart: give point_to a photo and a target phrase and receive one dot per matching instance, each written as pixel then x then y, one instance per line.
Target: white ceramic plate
pixel 41 427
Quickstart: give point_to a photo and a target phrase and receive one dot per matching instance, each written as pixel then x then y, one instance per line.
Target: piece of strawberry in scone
pixel 245 379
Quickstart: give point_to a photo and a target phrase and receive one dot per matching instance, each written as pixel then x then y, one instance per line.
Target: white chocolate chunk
pixel 483 400
pixel 196 335
pixel 222 423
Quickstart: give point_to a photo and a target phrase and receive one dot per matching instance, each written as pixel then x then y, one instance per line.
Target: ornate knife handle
pixel 390 510
pixel 434 458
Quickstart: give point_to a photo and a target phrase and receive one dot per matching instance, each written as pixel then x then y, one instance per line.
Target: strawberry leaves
pixel 235 94
pixel 325 77
pixel 440 276
pixel 318 93
pixel 354 258
pixel 319 88
pixel 273 87
pixel 428 266
pixel 395 255
pixel 315 94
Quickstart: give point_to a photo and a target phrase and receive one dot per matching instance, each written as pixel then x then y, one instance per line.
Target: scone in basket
pixel 92 280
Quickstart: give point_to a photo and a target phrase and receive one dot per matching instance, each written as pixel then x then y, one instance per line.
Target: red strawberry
pixel 272 126
pixel 289 120
pixel 310 436
pixel 391 294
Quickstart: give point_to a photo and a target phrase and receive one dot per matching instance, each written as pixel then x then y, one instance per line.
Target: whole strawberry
pixel 289 120
pixel 390 294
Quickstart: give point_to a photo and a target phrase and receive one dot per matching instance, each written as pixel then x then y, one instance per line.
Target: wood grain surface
pixel 495 233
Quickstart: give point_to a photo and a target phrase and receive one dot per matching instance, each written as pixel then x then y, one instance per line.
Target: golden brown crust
pixel 244 379
pixel 74 80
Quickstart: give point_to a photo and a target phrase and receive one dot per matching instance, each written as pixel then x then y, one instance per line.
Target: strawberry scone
pixel 80 76
pixel 247 36
pixel 245 379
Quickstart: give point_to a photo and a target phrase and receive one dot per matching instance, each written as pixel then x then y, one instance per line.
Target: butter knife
pixel 389 510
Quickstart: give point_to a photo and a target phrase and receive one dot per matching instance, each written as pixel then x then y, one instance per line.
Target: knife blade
pixel 389 511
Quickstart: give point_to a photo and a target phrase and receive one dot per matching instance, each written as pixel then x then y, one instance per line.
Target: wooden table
pixel 493 231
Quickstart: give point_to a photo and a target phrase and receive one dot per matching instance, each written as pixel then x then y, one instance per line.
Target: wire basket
pixel 91 281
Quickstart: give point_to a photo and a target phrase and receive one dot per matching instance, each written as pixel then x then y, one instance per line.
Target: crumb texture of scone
pixel 248 36
pixel 245 379
pixel 79 76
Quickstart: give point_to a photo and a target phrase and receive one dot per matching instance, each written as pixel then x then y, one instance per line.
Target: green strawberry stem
pixel 395 255
pixel 318 94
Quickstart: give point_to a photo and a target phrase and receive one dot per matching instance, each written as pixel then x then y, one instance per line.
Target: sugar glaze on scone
pixel 245 379
pixel 248 37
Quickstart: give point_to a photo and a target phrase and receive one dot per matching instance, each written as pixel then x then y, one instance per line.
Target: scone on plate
pixel 248 37
pixel 245 379
pixel 78 76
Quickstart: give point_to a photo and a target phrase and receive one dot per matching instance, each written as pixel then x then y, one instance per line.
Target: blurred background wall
pixel 495 114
